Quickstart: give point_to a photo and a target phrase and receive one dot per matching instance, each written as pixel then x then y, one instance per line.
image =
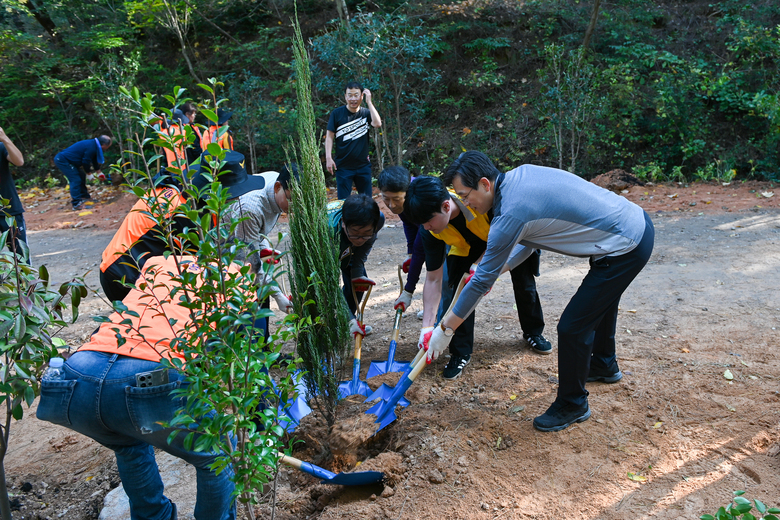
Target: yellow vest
pixel 477 223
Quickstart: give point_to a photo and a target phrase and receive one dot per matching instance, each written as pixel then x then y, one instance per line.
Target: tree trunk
pixel 175 24
pixel 592 24
pixel 40 14
pixel 5 505
pixel 341 7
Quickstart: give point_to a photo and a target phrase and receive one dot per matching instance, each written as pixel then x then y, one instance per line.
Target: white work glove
pixel 284 303
pixel 437 343
pixel 423 332
pixel 404 301
pixel 355 328
pixel 90 177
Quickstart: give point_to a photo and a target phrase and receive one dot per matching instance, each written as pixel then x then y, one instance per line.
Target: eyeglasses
pixel 355 237
pixel 466 196
pixel 358 237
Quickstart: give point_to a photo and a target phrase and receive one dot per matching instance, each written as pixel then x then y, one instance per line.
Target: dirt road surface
pixel 673 439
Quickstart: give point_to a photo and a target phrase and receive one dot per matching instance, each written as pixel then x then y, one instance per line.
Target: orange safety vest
pixel 176 158
pixel 138 237
pixel 210 136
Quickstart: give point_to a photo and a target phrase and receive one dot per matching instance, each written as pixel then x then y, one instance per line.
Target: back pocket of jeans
pixel 153 407
pixel 55 401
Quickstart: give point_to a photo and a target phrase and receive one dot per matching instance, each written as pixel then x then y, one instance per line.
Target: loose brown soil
pixel 673 439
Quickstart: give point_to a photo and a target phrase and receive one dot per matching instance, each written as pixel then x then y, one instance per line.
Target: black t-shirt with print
pixel 351 136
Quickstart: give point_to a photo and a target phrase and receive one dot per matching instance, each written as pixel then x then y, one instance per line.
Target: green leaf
pixel 44 274
pixel 17 412
pixel 20 327
pixel 214 149
pixel 210 115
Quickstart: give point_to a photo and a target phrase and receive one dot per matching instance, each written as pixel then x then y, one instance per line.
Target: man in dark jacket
pixel 87 154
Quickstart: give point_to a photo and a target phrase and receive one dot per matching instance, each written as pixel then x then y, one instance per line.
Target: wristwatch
pixel 447 331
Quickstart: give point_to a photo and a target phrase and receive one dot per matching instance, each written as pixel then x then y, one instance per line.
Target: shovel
pixel 384 392
pixel 356 386
pixel 385 409
pixel 296 409
pixel 358 478
pixel 391 365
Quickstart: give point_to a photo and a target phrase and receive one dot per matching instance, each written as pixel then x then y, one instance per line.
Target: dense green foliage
pixel 31 314
pixel 741 508
pixel 669 89
pixel 235 379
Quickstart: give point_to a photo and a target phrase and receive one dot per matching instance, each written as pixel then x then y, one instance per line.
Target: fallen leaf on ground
pixel 512 397
pixel 728 375
pixel 636 478
pixel 658 424
pixel 673 196
pixel 84 213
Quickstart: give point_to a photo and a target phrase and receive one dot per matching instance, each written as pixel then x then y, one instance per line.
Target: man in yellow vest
pixel 446 221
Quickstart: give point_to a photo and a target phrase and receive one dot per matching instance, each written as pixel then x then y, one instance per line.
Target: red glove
pixel 406 264
pixel 269 256
pixel 361 283
pixel 426 342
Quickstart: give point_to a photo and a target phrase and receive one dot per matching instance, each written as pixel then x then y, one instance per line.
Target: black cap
pixel 232 175
pixel 223 116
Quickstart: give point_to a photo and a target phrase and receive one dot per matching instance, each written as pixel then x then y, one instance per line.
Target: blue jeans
pixel 98 397
pixel 361 177
pixel 77 179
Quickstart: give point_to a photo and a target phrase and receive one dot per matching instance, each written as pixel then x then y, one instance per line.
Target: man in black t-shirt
pixel 348 126
pixel 10 153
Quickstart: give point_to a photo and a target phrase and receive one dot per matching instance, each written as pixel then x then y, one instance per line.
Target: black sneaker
pixel 455 367
pixel 538 343
pixel 560 416
pixel 609 375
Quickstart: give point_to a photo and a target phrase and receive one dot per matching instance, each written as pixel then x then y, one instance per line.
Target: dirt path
pixel 707 302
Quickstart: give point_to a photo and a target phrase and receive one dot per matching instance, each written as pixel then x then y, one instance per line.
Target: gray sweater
pixel 545 208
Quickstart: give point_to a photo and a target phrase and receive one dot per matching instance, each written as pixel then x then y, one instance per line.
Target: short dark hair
pixel 394 178
pixel 104 140
pixel 470 167
pixel 360 210
pixel 424 198
pixel 354 84
pixel 284 175
pixel 189 107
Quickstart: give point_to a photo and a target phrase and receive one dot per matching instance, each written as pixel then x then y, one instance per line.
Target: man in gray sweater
pixel 544 208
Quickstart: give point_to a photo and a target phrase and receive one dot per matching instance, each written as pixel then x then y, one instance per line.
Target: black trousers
pixel 112 287
pixel 586 330
pixel 529 308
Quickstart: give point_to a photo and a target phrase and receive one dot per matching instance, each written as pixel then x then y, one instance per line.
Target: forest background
pixel 668 90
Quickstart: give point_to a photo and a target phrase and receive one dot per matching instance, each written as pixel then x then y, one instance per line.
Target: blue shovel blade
pixel 354 387
pixel 360 478
pixel 383 393
pixel 377 368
